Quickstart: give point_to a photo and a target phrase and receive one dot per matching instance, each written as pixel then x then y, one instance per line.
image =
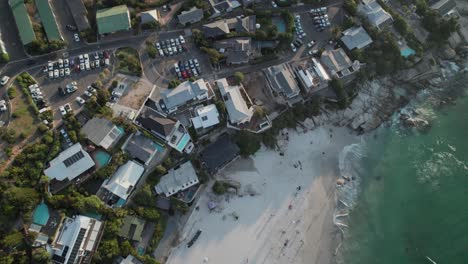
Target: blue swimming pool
pixel 158 147
pixel 102 158
pixel 279 23
pixel 407 51
pixel 41 214
pixel 183 142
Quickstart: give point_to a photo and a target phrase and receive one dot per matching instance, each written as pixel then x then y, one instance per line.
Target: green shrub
pixel 219 188
pixel 12 92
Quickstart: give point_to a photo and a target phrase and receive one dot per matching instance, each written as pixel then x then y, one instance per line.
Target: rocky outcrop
pixel 447 53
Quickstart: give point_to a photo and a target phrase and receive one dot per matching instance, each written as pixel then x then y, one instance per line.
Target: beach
pixel 283 211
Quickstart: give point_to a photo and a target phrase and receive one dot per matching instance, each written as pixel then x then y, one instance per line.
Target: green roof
pixel 113 19
pixel 132 228
pixel 48 20
pixel 23 22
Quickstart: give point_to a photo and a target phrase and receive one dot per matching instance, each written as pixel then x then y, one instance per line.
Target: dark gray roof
pixel 141 147
pixel 443 6
pixel 155 122
pixel 219 153
pixel 190 16
pixel 101 132
pixel 282 80
pixel 356 37
pixel 79 13
pixel 222 27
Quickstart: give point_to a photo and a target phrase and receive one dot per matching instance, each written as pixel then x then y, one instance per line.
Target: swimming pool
pixel 407 51
pixel 158 147
pixel 102 158
pixel 41 214
pixel 279 23
pixel 183 142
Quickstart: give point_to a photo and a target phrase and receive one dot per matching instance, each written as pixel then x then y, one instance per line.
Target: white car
pixel 50 66
pixel 82 67
pixel 176 67
pixel 293 48
pixel 313 52
pixel 3 107
pixel 81 58
pixel 87 66
pixel 80 100
pixel 182 40
pixel 86 57
pixel 4 80
pixel 91 89
pixel 67 71
pixel 196 63
pixel 51 74
pixel 88 94
pixel 62 111
pixel 97 63
pixel 62 72
pixel 76 37
pixel 56 73
pixel 310 44
pixel 274 4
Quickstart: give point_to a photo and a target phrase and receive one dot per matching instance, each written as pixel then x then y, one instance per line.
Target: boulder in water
pixel 417 122
pixel 340 182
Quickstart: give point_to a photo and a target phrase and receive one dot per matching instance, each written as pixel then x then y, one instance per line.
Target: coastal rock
pixel 416 122
pixel 447 53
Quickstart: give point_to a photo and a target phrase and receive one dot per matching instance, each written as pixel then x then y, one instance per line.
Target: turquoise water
pixel 102 158
pixel 414 188
pixel 158 147
pixel 41 214
pixel 279 23
pixel 407 51
pixel 183 142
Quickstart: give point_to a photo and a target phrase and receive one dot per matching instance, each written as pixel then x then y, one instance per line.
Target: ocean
pixel 407 198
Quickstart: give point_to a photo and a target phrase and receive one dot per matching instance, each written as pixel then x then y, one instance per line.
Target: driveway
pixel 9 32
pixel 63 17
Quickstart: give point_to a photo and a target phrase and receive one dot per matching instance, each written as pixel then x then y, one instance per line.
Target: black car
pixel 71 27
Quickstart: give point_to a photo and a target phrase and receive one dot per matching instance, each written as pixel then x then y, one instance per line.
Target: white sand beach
pixel 279 224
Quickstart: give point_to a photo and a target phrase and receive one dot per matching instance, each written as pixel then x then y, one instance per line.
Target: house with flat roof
pixel 184 94
pixel 356 38
pixel 443 7
pixel 167 129
pixel 281 80
pixel 116 190
pixel 190 16
pixel 23 21
pixel 102 132
pixel 77 240
pixel 219 7
pixel 130 259
pixel 69 164
pixel 205 116
pixel 48 20
pixel 149 16
pixel 237 50
pixel 376 15
pixel 239 111
pixel 132 228
pixel 338 64
pixel 218 154
pixel 223 27
pixel 177 180
pixel 79 13
pixel 113 19
pixel 141 148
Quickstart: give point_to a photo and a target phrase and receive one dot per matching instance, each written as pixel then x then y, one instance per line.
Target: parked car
pixel 176 67
pixel 273 4
pixel 4 80
pixel 56 73
pixel 80 100
pixel 182 40
pixel 293 48
pixel 51 74
pixel 62 72
pixel 3 106
pixel 76 37
pixel 68 108
pixel 67 71
pixel 62 110
pixel 71 27
pixel 87 67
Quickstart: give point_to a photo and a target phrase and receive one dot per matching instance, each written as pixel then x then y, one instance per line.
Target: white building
pixel 338 64
pixel 117 188
pixel 376 15
pixel 76 240
pixel 185 93
pixel 149 16
pixel 177 179
pixel 238 110
pixel 356 38
pixel 206 116
pixel 69 164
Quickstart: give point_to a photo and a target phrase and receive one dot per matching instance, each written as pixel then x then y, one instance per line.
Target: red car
pixel 184 74
pixel 106 54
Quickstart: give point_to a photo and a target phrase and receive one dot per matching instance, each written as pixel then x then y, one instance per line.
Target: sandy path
pixel 266 221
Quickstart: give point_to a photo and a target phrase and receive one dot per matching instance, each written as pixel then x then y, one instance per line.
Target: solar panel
pixel 77 245
pixel 73 159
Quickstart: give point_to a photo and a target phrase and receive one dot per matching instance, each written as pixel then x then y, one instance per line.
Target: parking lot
pixel 63 17
pixel 64 90
pixel 164 66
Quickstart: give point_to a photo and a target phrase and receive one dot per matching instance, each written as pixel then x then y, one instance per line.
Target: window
pixel 204 118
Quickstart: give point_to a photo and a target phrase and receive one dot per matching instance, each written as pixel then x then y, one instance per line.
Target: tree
pixel 115 83
pixel 239 77
pixel 218 188
pixel 103 96
pixel 338 88
pixel 12 240
pixel 23 199
pixel 336 32
pixel 351 7
pixel 41 256
pixel 400 25
pixel 4 57
pixel 126 248
pixel 109 249
pixel 12 92
pixel 248 143
pixel 173 83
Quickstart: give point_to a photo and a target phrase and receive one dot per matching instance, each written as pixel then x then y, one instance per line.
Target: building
pixel 169 130
pixel 376 15
pixel 185 93
pixel 141 148
pixel 205 117
pixel 281 79
pixel 444 7
pixel 132 228
pixel 48 20
pixel 218 154
pixel 79 13
pixel 320 70
pixel 23 22
pixel 307 79
pixel 223 27
pixel 102 132
pixel 237 50
pixel 77 240
pixel 356 38
pixel 149 16
pixel 69 164
pixel 113 19
pixel 338 64
pixel 116 190
pixel 219 7
pixel 130 259
pixel 238 110
pixel 191 16
pixel 177 179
